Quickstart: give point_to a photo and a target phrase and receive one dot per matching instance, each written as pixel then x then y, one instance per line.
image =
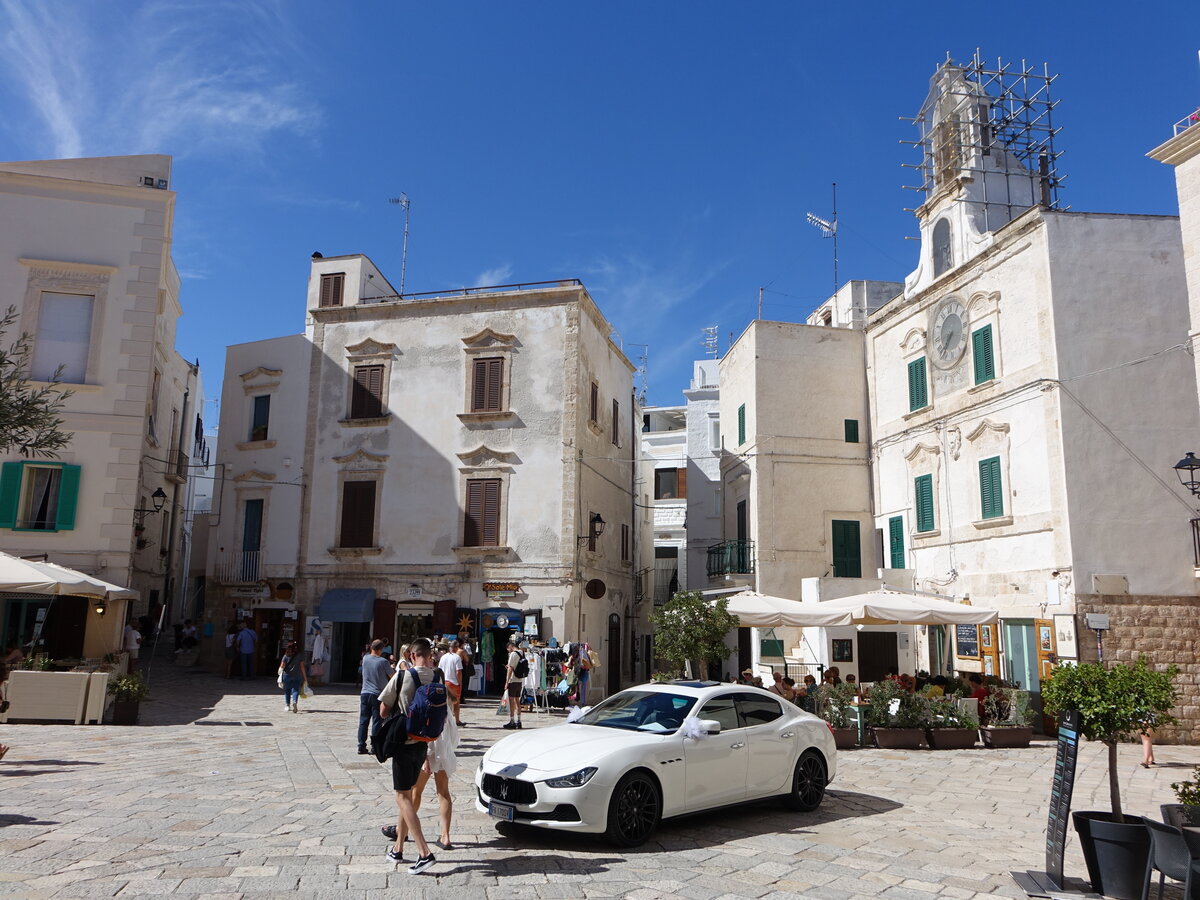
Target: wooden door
pixel 989 650
pixel 877 655
pixel 1043 630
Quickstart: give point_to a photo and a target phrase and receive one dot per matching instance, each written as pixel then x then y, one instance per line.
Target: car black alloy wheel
pixel 633 811
pixel 808 783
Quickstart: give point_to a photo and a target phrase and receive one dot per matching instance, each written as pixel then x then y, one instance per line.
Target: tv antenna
pixel 403 201
pixel 643 359
pixel 828 229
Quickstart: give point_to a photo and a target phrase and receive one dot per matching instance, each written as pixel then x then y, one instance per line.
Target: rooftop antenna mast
pixel 828 229
pixel 643 359
pixel 403 201
pixel 710 341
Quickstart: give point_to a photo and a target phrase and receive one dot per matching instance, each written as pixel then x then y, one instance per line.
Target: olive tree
pixel 30 423
pixel 689 627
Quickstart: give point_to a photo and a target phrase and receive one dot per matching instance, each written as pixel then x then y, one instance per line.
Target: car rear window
pixel 758 710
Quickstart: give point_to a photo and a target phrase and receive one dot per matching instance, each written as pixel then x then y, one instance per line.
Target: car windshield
pixel 657 712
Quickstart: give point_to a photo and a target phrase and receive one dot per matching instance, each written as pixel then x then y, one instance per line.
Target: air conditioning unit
pixel 147 181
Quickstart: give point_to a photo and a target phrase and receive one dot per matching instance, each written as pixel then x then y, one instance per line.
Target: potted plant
pixel 127 692
pixel 1114 703
pixel 1008 719
pixel 833 705
pixel 950 728
pixel 1185 813
pixel 898 716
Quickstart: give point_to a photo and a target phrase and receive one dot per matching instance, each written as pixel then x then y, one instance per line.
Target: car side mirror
pixel 711 726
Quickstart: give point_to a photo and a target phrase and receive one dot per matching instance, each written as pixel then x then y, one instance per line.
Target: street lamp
pixel 159 499
pixel 596 524
pixel 1186 469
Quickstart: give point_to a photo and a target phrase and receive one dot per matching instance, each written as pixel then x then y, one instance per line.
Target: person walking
pixel 376 672
pixel 409 760
pixel 513 682
pixel 132 643
pixel 291 669
pixel 230 649
pixel 246 640
pixel 452 666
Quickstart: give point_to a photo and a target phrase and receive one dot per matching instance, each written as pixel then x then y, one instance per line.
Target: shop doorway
pixel 499 659
pixel 1021 659
pixel 349 639
pixel 22 616
pixel 938 663
pixel 877 655
pixel 268 625
pixel 614 653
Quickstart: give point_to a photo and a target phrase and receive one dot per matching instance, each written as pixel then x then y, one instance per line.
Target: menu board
pixel 966 641
pixel 1060 794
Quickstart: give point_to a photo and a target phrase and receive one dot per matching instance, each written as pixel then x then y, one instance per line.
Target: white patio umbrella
pixel 888 606
pixel 764 611
pixel 28 577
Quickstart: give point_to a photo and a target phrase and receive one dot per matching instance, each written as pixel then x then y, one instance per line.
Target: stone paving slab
pixel 194 802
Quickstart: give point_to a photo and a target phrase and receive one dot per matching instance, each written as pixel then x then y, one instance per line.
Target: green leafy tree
pixel 689 627
pixel 29 415
pixel 1115 703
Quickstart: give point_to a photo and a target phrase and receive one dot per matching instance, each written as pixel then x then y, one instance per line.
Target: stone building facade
pixel 85 257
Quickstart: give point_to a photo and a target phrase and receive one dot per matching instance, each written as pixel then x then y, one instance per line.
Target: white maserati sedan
pixel 656 751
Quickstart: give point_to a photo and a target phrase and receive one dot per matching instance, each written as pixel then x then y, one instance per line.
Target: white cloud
pixel 158 77
pixel 496 275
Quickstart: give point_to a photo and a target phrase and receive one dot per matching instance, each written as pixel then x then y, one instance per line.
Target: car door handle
pixel 788 734
pixel 737 746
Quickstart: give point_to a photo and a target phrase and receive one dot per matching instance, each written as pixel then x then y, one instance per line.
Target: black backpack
pixel 389 737
pixel 522 669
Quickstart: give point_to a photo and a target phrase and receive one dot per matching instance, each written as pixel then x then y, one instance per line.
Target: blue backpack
pixel 427 710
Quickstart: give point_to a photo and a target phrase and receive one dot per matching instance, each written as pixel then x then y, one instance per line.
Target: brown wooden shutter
pixel 482 526
pixel 443 616
pixel 681 483
pixel 358 514
pixel 486 382
pixel 331 289
pixel 366 400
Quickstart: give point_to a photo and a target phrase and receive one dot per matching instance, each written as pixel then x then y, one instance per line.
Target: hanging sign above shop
pixel 501 588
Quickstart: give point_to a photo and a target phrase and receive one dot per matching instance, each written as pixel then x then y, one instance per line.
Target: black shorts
pixel 406 765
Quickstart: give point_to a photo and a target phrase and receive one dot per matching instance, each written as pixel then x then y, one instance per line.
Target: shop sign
pixel 501 588
pixel 251 591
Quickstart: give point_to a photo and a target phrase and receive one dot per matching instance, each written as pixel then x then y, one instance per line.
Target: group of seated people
pixel 805 695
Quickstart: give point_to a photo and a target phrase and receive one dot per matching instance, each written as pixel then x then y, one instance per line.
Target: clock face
pixel 949 333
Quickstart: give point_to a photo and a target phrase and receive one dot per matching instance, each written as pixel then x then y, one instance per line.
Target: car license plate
pixel 503 811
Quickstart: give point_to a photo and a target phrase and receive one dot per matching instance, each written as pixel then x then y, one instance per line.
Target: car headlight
pixel 575 779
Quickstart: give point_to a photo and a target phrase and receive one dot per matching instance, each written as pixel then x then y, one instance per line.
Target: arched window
pixel 943 255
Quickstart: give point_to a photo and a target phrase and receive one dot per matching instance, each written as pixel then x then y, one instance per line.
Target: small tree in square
pixel 1115 703
pixel 689 627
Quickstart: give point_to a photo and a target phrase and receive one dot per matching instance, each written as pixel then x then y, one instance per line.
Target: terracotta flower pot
pixel 845 738
pixel 899 738
pixel 1005 737
pixel 951 738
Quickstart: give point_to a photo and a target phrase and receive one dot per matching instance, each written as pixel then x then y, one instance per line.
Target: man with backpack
pixel 419 695
pixel 517 669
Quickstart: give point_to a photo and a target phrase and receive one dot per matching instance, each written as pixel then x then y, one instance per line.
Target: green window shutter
pixel 847 555
pixel 741 424
pixel 923 489
pixel 68 496
pixel 981 353
pixel 991 493
pixel 918 390
pixel 896 541
pixel 10 492
pixel 852 431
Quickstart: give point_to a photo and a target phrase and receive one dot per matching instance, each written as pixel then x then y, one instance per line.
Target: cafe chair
pixel 1174 854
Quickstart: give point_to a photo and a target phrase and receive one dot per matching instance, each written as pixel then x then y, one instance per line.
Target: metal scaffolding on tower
pixel 991 124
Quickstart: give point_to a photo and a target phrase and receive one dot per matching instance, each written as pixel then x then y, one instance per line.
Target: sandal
pixel 442 846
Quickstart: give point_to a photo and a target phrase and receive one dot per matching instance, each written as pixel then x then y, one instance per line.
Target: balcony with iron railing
pixel 731 558
pixel 177 466
pixel 239 567
pixel 1187 122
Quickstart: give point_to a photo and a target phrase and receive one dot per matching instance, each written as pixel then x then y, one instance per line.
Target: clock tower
pixel 987 156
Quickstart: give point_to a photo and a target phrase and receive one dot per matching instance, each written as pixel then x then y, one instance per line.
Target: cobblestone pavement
pixel 220 793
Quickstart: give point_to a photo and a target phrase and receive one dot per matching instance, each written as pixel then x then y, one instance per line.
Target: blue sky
pixel 665 153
